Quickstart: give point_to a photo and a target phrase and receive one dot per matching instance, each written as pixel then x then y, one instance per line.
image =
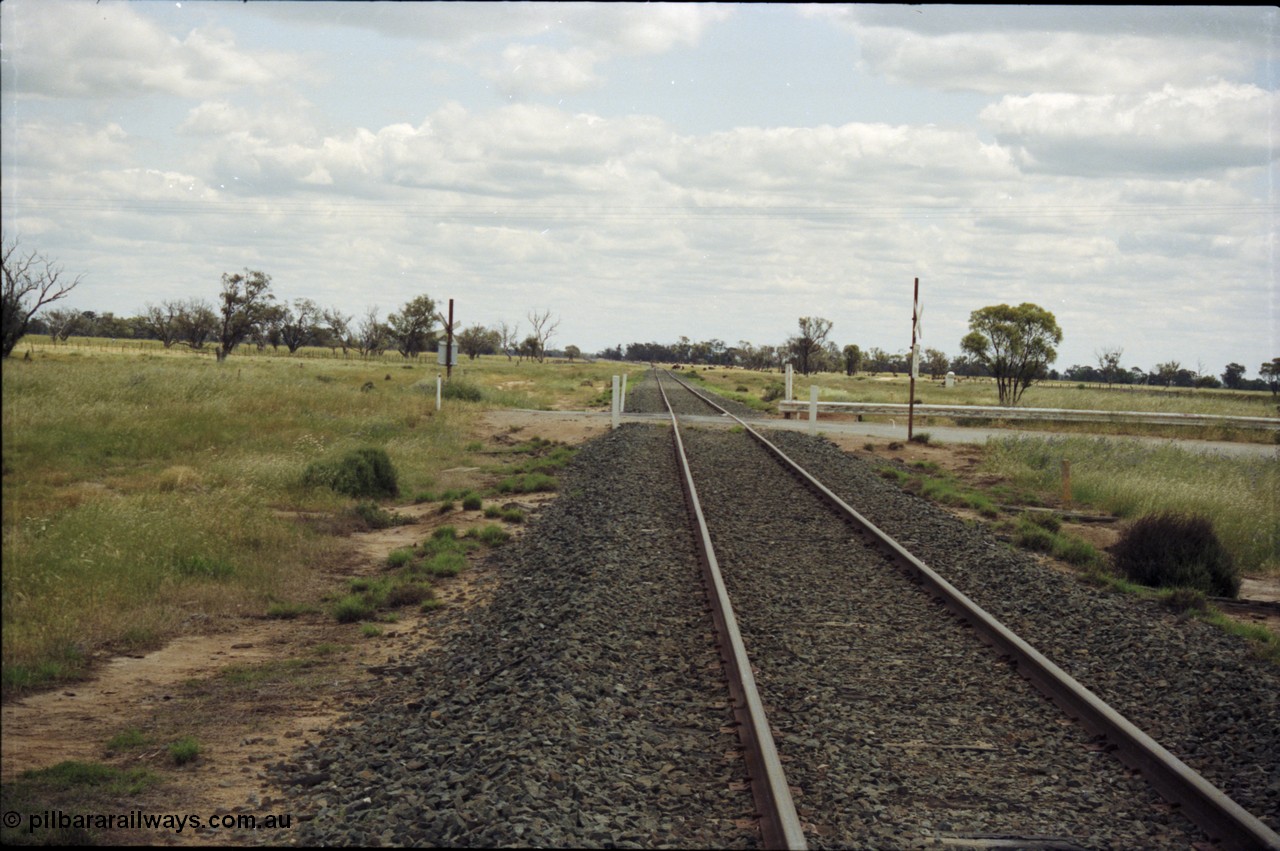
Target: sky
pixel 652 171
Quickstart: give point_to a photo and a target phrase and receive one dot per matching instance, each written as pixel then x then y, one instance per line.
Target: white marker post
pixel 437 391
pixel 813 408
pixel 622 406
pixel 616 394
pixel 790 383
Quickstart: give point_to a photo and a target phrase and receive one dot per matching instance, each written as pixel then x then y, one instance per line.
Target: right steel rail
pixel 1221 818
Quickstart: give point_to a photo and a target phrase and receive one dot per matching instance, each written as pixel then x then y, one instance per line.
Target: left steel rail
pixel 779 822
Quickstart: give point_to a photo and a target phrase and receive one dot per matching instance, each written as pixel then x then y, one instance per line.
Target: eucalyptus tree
pixel 413 328
pixel 244 304
pixel 1015 343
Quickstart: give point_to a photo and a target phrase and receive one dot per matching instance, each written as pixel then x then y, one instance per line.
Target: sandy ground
pixel 242 731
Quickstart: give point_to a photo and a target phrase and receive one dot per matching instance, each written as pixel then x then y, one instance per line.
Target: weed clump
pixel 184 750
pixel 1175 550
pixel 374 517
pixel 362 473
pixel 461 390
pixel 773 391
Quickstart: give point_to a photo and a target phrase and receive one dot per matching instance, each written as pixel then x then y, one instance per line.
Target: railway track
pixel 825 624
pixel 586 705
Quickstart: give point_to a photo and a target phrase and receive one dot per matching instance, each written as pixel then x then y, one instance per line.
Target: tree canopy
pixel 1015 343
pixel 244 303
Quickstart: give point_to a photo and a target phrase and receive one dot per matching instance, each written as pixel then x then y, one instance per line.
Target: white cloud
pixel 56 48
pixel 1177 130
pixel 1080 50
pixel 535 69
pixel 62 147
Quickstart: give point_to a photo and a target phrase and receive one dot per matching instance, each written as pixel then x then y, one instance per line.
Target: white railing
pixel 997 412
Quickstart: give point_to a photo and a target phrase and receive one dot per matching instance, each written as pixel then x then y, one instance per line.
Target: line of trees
pixel 246 311
pixel 1013 345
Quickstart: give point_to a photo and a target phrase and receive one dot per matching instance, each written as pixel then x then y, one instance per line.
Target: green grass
pixel 1130 479
pixel 527 483
pixel 184 750
pixel 142 484
pixel 71 787
pixel 128 740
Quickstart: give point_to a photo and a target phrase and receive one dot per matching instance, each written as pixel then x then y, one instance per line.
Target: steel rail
pixel 779 822
pixel 1208 807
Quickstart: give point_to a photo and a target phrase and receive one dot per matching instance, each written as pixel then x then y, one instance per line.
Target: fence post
pixel 622 404
pixel 616 393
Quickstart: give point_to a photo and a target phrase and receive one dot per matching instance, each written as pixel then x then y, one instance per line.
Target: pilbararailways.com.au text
pixel 140 820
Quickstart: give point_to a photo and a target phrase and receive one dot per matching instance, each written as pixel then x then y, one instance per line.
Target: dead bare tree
pixel 31 281
pixel 543 330
pixel 509 339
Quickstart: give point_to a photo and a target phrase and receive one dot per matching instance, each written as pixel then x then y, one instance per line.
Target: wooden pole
pixel 448 345
pixel 911 403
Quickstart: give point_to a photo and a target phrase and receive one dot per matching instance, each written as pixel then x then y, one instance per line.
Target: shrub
pixel 1043 519
pixel 352 608
pixel 1175 550
pixel 492 535
pixel 1032 537
pixel 446 564
pixel 463 390
pixel 921 437
pixel 472 502
pixel 184 750
pixel 773 391
pixel 1075 551
pixel 400 557
pixel 1185 600
pixel 361 473
pixel 407 594
pixel 374 517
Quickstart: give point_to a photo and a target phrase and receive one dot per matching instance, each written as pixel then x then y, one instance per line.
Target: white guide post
pixel 790 384
pixel 437 391
pixel 622 405
pixel 813 408
pixel 616 394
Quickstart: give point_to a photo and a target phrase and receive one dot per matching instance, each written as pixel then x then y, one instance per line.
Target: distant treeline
pixel 933 363
pixel 827 357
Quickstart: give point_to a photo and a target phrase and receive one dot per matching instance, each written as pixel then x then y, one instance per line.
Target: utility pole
pixel 448 345
pixel 915 360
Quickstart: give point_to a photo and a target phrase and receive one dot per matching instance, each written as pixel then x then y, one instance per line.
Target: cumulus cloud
pixel 1175 130
pixel 56 146
pixel 1081 50
pixel 81 50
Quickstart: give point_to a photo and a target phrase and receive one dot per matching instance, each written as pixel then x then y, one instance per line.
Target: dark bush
pixel 362 473
pixel 1172 550
pixel 773 390
pixel 463 390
